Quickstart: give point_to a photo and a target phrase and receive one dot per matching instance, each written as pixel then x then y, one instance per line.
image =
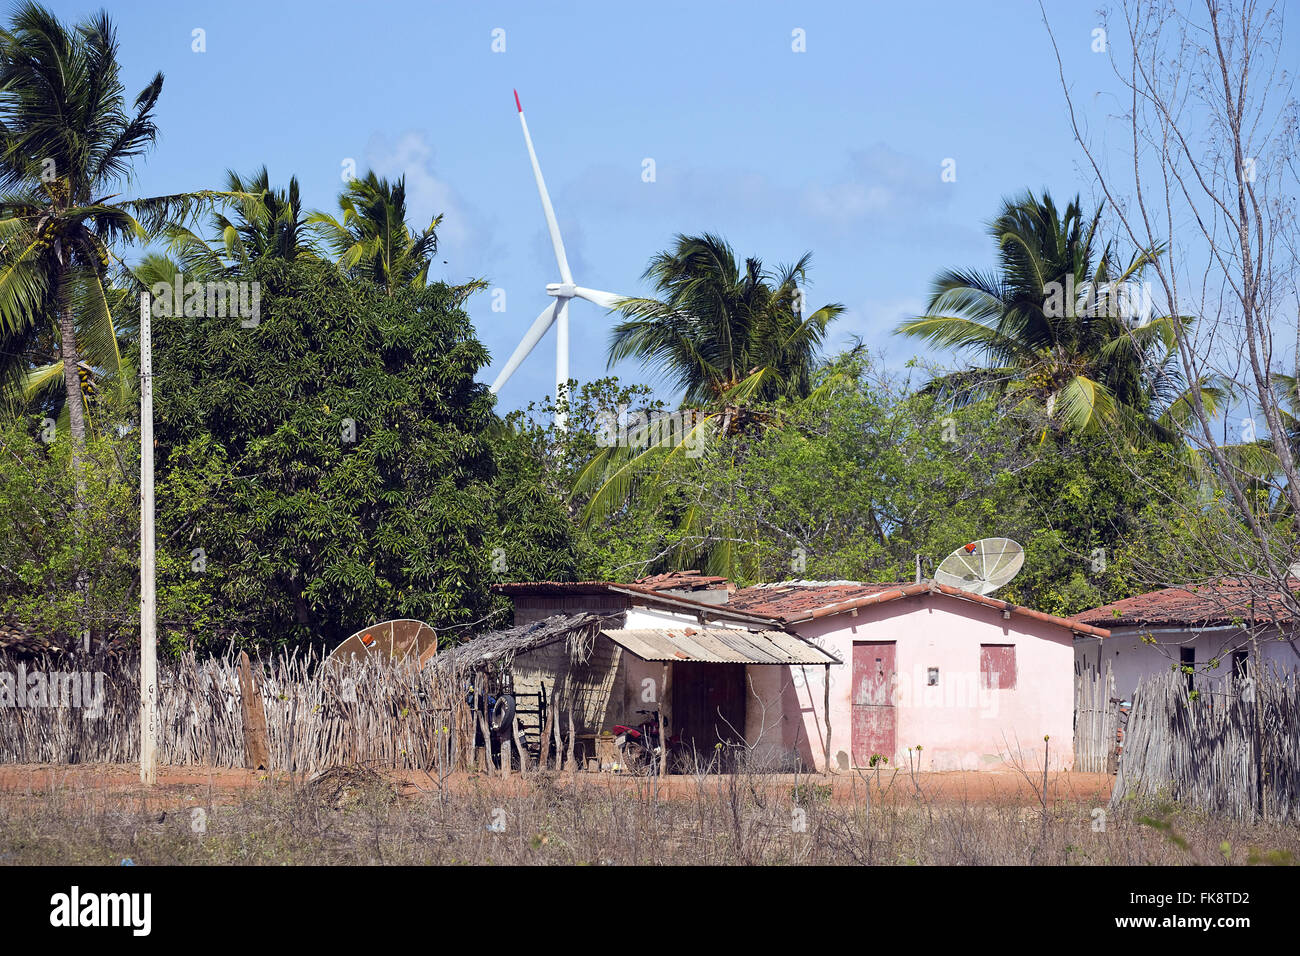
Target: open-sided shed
pixel 576 677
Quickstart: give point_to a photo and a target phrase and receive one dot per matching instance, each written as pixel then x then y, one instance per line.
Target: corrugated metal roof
pixel 719 645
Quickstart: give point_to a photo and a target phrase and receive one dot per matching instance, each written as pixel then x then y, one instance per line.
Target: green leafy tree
pixel 864 475
pixel 66 592
pixel 333 462
pixel 551 461
pixel 67 140
pixel 722 333
pixel 258 221
pixel 269 223
pixel 732 339
pixel 54 584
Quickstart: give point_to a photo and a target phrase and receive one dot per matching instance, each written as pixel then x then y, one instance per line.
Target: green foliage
pixel 549 464
pixel 537 539
pixel 67 142
pixel 1056 329
pixel 373 240
pixel 720 331
pixel 269 222
pixel 1096 517
pixel 41 557
pixel 334 461
pixel 859 478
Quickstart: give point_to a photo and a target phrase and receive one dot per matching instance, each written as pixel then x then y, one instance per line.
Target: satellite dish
pixel 982 566
pixel 395 640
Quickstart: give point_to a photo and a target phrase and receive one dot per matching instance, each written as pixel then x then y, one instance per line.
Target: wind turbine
pixel 557 313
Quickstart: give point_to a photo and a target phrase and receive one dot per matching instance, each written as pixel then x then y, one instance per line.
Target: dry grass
pixel 355 816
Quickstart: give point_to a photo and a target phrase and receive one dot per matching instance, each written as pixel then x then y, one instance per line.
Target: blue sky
pixel 838 150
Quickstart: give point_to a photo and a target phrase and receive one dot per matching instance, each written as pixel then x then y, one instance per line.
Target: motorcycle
pixel 640 745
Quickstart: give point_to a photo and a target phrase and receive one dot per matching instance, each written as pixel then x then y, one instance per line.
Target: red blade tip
pixel 518 105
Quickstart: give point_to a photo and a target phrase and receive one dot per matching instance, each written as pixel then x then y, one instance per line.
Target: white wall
pixel 1132 658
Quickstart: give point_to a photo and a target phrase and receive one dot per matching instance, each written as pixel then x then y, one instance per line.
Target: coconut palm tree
pixel 67 141
pixel 106 370
pixel 1060 327
pixel 722 334
pixel 727 337
pixel 373 240
pixel 269 223
pixel 260 221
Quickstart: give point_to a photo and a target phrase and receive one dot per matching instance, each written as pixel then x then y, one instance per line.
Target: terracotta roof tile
pixel 795 599
pixel 1205 605
pixel 682 581
pixel 798 601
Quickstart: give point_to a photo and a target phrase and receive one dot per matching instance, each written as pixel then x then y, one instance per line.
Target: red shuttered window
pixel 998 666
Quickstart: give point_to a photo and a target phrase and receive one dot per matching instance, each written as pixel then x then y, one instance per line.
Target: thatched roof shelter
pixel 498 649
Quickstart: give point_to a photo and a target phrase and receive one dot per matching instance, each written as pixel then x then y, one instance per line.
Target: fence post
pixel 257 754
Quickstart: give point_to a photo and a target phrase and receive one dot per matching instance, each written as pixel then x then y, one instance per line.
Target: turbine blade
pixel 606 300
pixel 560 258
pixel 528 343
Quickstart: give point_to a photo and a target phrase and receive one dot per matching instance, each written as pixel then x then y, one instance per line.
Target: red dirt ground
pixel 955 787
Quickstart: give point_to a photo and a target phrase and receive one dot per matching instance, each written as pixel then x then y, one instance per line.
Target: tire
pixel 503 712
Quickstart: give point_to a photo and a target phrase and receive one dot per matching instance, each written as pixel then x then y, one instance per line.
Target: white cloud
pixel 462 239
pixel 876 186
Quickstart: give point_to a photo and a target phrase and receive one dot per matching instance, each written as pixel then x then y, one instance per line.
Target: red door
pixel 874 716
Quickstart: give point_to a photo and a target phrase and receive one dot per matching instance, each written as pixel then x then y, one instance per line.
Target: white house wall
pixel 1131 658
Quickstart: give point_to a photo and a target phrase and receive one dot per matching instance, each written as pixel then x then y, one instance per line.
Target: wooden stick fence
pixel 318 713
pixel 1096 719
pixel 1232 747
pixel 369 711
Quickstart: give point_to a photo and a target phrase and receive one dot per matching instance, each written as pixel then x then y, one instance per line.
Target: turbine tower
pixel 557 313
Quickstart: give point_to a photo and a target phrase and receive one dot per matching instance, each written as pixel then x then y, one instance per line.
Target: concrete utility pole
pixel 148 568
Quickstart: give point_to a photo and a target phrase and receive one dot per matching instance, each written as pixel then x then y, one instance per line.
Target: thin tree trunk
pixel 71 380
pixel 76 423
pixel 72 386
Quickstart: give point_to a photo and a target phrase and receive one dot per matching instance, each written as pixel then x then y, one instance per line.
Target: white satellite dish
pixel 982 566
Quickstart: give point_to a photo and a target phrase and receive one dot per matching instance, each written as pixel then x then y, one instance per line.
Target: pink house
pixel 925 673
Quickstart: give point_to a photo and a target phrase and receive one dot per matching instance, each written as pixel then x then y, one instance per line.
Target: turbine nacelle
pixel 562 290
